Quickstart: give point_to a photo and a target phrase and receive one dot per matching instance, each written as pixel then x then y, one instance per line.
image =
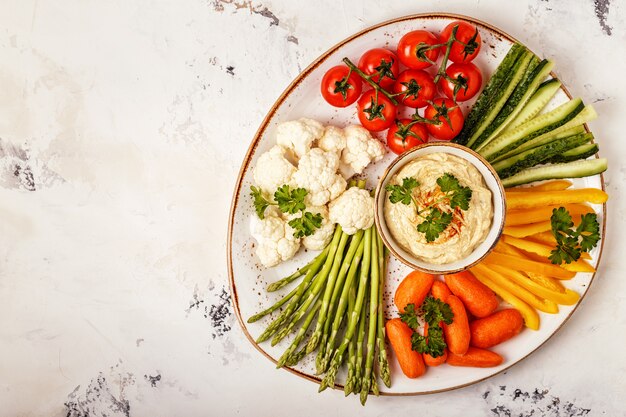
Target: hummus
pixel 468 227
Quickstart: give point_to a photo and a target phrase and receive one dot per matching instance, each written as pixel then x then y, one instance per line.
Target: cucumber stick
pixel 537 102
pixel 576 169
pixel 536 127
pixel 538 155
pixel 577 130
pixel 484 99
pixel 500 97
pixel 586 115
pixel 535 74
pixel 580 152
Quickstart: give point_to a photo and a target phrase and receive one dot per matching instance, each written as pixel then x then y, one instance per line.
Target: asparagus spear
pixel 321 319
pixel 383 364
pixel 349 385
pixel 358 375
pixel 341 309
pixel 300 335
pixel 373 324
pixel 329 378
pixel 334 300
pixel 277 285
pixel 273 308
pixel 286 314
pixel 324 281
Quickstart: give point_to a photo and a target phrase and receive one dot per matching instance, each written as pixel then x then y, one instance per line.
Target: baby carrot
pixel 479 300
pixel 399 334
pixel 496 328
pixel 475 357
pixel 428 359
pixel 413 289
pixel 440 290
pixel 457 333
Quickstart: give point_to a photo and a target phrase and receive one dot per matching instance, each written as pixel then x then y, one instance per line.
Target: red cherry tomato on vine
pixel 409 45
pixel 339 89
pixel 465 79
pixel 450 117
pixel 418 88
pixel 376 112
pixel 382 64
pixel 405 134
pixel 469 41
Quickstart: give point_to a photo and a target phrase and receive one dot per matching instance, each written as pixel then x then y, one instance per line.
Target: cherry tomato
pixel 465 79
pixel 405 134
pixel 339 89
pixel 409 45
pixel 383 63
pixel 376 112
pixel 450 116
pixel 469 36
pixel 418 88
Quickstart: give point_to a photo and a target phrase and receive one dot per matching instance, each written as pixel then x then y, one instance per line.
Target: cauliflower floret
pixel 333 140
pixel 353 210
pixel 273 170
pixel 361 149
pixel 323 235
pixel 317 173
pixel 299 135
pixel 275 240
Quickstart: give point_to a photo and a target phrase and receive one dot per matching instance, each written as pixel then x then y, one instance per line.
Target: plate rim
pixel 255 141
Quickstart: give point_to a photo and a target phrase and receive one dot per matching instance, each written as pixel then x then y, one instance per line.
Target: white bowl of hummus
pixel 440 208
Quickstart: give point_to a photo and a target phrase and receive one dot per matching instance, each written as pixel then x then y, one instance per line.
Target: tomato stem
pixel 368 79
pixel 444 63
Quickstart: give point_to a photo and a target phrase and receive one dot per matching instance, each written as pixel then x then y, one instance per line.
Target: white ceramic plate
pixel 302 99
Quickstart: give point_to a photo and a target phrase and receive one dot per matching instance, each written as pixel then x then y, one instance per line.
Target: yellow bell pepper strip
pixel 567 297
pixel 527 265
pixel 540 253
pixel 547 238
pixel 524 200
pixel 524 230
pixel 529 246
pixel 539 303
pixel 531 318
pixel 550 283
pixel 556 185
pixel 542 214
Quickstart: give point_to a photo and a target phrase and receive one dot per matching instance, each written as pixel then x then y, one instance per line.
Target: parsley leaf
pixel 570 242
pixel 290 201
pixel 433 344
pixel 260 202
pixel 306 224
pixel 436 311
pixel 402 193
pixel 410 316
pixel 459 196
pixel 435 223
pixel 419 343
pixel 589 231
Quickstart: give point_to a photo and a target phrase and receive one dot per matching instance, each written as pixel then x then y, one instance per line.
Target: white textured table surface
pixel 122 127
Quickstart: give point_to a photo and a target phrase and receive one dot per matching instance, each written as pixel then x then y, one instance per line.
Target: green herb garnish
pixel 434 224
pixel 572 242
pixel 306 224
pixel 436 220
pixel 402 193
pixel 260 202
pixel 289 201
pixel 434 312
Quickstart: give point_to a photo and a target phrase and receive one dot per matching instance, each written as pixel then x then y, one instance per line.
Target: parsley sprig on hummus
pixel 437 213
